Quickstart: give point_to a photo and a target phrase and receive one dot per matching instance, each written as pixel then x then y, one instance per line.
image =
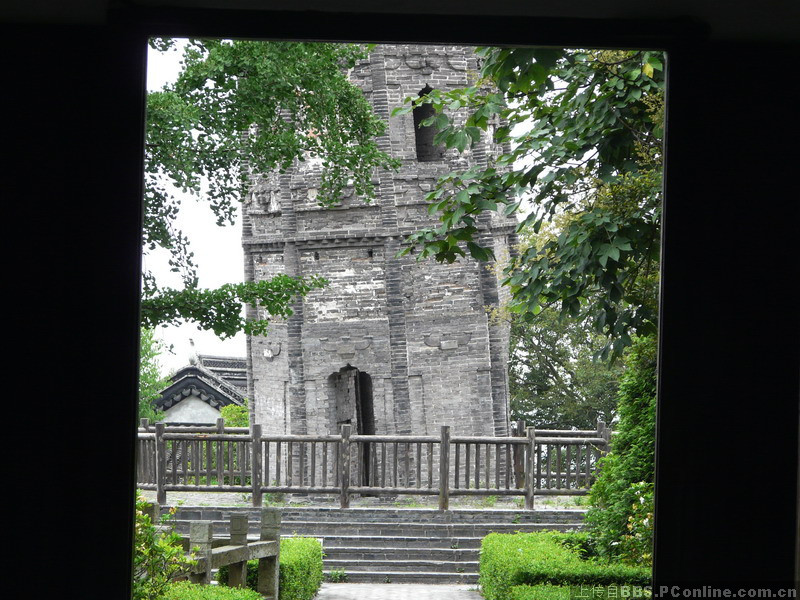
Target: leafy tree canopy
pixel 151 381
pixel 240 108
pixel 582 136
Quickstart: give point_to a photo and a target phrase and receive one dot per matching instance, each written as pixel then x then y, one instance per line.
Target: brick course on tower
pixel 392 345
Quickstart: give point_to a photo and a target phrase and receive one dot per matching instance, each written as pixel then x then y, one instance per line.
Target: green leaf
pixel 478 252
pixel 462 197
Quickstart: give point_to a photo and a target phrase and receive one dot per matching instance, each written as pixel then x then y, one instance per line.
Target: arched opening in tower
pixel 427 151
pixel 353 405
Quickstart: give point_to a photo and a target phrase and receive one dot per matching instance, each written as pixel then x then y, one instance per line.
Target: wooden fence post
pixel 161 464
pixel 237 572
pixel 344 467
pixel 142 456
pixel 444 469
pixel 530 485
pixel 518 430
pixel 256 464
pixel 268 568
pixel 605 433
pixel 200 537
pixel 220 458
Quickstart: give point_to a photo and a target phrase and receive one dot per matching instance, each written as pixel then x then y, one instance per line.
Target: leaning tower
pixel 392 345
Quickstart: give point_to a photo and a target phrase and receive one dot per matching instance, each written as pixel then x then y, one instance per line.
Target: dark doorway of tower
pixel 354 406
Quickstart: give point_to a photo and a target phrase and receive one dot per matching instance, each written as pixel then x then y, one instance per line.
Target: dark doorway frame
pixel 362 399
pixel 728 346
pixel 363 409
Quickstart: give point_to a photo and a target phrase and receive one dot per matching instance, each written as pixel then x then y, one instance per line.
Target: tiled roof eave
pixel 197 383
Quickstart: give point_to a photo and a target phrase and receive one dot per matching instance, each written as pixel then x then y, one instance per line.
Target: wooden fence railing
pixel 528 463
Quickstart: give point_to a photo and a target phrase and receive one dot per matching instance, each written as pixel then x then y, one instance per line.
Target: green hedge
pixel 577 541
pixel 540 592
pixel 192 591
pixel 300 572
pixel 301 568
pixel 547 557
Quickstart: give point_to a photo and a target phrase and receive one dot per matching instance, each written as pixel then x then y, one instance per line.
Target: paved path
pixel 396 591
pixel 243 500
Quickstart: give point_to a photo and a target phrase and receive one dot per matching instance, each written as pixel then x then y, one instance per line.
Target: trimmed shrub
pixel 579 542
pixel 192 591
pixel 509 560
pixel 300 569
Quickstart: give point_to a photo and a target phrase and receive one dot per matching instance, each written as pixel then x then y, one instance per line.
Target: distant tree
pixel 554 382
pixel 235 415
pixel 151 381
pixel 240 108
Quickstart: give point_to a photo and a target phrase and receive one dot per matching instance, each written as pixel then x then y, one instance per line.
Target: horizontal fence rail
pixel 531 462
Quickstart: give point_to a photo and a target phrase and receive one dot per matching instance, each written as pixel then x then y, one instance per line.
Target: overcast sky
pixel 217 250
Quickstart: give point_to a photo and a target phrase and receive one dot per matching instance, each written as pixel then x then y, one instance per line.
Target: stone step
pixel 416 566
pixel 369 553
pixel 407 577
pixel 355 541
pixel 373 544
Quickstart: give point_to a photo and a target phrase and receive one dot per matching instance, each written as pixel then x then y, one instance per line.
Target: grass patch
pixel 184 590
pixel 337 576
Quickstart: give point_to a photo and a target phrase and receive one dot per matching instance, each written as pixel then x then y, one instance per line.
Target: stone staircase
pixel 394 545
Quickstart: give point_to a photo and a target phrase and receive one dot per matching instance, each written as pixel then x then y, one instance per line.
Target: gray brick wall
pixel 418 329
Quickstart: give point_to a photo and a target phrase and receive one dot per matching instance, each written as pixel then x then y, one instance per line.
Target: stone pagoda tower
pixel 392 345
